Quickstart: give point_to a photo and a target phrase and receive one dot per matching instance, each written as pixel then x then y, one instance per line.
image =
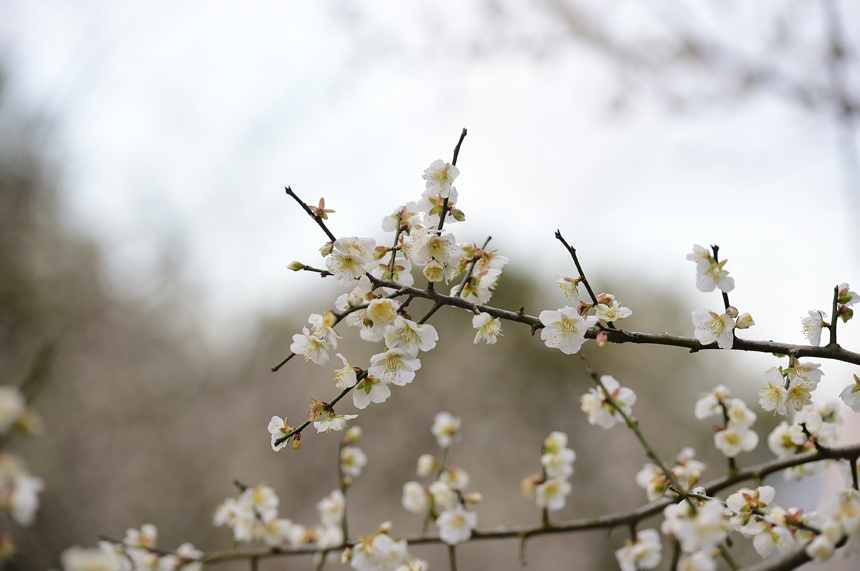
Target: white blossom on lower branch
pixel 596 402
pixel 644 552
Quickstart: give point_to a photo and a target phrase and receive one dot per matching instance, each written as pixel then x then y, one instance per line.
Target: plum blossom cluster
pixel 551 486
pixel 789 388
pixel 813 427
pixel 752 514
pixel 734 434
pixel 699 527
pixel 643 552
pixel 381 552
pixel 444 501
pixel 252 516
pixel 359 263
pixel 565 328
pixel 711 326
pixel 816 321
pixel 136 551
pixel 605 403
pixel 685 469
pixel 19 489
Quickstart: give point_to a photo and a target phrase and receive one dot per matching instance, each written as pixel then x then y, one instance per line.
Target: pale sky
pixel 178 125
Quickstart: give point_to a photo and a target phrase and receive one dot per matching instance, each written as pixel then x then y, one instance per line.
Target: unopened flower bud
pixel 296 266
pixel 297 440
pixel 346 556
pixel 352 435
pixel 605 298
pixel 326 249
pixel 601 338
pixel 732 311
pixel 528 485
pixel 745 321
pixel 473 498
pixel 384 527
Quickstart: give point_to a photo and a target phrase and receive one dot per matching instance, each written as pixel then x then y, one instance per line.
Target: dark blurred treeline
pixel 147 423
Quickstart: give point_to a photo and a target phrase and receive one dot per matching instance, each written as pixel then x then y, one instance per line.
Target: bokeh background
pixel 145 237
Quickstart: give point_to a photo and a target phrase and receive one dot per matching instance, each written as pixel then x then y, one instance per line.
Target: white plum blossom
pixel 552 494
pixel 845 298
pixel 444 496
pixel 310 347
pixel 744 507
pixel 806 372
pixel 813 325
pixel 699 254
pixel 771 538
pixel 701 531
pixel 439 176
pixel 789 388
pixel 739 415
pixel 408 214
pixel 850 395
pixel 839 517
pixel 686 471
pixel 608 309
pixel 456 477
pixel 736 436
pixel 820 420
pixel 569 286
pixel 774 396
pixel 409 336
pixel 733 440
pixel 439 255
pixel 415 498
pixel 698 561
pixel 786 439
pixel 565 329
pixel 322 327
pixel 595 403
pixel 400 273
pixel 644 552
pixel 12 406
pixel 478 287
pixel 382 312
pixel 331 508
pixel 446 429
pixel 352 460
pixel 820 548
pixel 427 464
pixel 456 525
pixel 711 327
pixel 370 389
pixel 489 329
pixel 336 423
pixel 19 490
pixel 558 464
pixel 711 403
pixel 348 258
pixel 101 558
pixel 710 273
pixel 278 429
pixel 394 366
pixel 744 321
pixel 378 553
pixel 345 377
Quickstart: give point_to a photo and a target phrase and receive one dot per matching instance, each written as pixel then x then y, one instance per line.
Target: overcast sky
pixel 178 124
